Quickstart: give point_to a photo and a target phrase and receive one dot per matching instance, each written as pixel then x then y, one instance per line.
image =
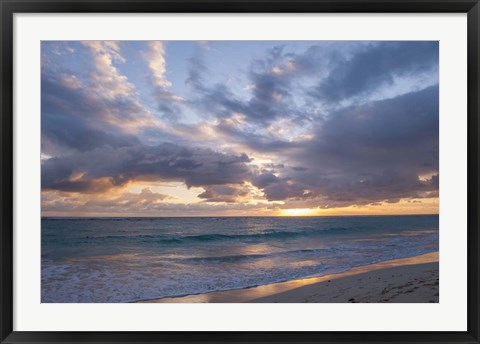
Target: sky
pixel 239 128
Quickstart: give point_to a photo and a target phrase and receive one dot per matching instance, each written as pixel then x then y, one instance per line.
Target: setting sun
pixel 300 212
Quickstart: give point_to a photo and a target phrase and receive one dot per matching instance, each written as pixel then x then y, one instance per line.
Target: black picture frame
pixel 10 7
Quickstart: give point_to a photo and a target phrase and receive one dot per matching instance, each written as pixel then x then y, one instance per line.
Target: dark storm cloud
pixel 369 153
pixel 375 67
pixel 108 167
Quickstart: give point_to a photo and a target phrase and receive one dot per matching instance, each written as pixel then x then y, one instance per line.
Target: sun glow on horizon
pixel 299 212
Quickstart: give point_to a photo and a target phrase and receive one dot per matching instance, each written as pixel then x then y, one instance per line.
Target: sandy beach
pixel 406 280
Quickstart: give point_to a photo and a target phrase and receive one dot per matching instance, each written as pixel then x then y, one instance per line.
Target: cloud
pixel 264 179
pixel 196 71
pixel 145 200
pixel 127 202
pixel 286 188
pixel 76 133
pixel 269 87
pixel 155 58
pixel 402 131
pixel 78 119
pixel 83 111
pixel 106 78
pixel 226 193
pixel 259 141
pixel 106 168
pixel 368 153
pixel 333 124
pixel 167 101
pixel 376 66
pixel 146 203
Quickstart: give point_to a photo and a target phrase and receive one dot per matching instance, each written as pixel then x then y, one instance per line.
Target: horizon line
pixel 230 216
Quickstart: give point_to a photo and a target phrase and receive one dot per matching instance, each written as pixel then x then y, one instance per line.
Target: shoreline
pixel 411 279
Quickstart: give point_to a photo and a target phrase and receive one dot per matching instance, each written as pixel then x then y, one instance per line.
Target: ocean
pixel 108 260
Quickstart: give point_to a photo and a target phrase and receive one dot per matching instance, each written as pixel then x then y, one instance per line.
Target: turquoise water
pixel 129 259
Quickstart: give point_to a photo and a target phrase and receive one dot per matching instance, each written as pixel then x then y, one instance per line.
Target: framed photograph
pixel 238 171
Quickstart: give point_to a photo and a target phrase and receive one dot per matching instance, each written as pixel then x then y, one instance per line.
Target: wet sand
pixel 406 280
